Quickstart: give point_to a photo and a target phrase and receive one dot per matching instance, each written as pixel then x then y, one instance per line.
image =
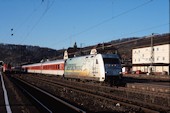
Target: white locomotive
pixel 98 67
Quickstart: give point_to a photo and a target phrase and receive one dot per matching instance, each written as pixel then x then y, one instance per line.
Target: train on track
pixel 96 67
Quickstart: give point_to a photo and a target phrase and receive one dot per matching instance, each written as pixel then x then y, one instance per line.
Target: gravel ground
pixel 88 101
pixel 18 102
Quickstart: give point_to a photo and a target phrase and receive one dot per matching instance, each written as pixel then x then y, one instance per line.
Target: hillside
pixel 124 47
pixel 21 54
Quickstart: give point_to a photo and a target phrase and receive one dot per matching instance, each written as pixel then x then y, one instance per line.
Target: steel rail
pixel 52 96
pixel 100 95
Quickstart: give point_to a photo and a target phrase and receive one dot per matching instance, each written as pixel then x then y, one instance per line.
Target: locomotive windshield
pixel 111 61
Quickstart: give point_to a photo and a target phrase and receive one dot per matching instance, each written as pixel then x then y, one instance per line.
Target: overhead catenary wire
pixel 153 27
pixel 43 14
pixel 107 20
pixel 17 27
pixel 49 5
pixel 111 45
pixel 146 29
pixel 113 17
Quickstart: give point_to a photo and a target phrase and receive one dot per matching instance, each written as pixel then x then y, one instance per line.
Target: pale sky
pixel 58 24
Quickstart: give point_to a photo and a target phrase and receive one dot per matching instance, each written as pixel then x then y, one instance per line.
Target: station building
pixel 155 59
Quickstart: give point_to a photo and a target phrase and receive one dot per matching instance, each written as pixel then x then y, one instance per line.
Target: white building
pixel 157 61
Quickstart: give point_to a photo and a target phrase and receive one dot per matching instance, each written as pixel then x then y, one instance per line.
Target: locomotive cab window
pixel 96 61
pixel 111 61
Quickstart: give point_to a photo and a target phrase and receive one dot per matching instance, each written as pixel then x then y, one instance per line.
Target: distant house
pixel 154 59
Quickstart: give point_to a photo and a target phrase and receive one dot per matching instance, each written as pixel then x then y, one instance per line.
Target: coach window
pixel 59 66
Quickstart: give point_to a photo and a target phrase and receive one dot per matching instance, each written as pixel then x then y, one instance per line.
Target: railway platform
pixel 154 83
pixel 152 77
pixel 150 87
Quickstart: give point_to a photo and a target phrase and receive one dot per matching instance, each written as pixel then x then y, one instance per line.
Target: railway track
pixel 45 101
pixel 17 101
pixel 110 98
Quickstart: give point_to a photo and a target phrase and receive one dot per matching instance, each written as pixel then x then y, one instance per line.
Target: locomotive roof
pixel 103 55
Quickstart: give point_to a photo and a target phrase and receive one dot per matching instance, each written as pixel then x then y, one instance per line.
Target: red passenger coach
pixel 6 68
pixel 55 67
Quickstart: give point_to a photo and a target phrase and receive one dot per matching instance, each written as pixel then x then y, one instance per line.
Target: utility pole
pixel 152 55
pixel 150 71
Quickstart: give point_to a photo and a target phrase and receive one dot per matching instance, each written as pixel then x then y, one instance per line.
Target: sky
pixel 58 24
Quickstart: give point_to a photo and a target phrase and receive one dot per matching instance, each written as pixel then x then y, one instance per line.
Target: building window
pixel 139 60
pixel 157 49
pixel 157 58
pixel 162 49
pixel 142 55
pixel 163 58
pixel 134 60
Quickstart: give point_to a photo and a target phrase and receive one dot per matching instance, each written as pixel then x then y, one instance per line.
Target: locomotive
pixel 97 67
